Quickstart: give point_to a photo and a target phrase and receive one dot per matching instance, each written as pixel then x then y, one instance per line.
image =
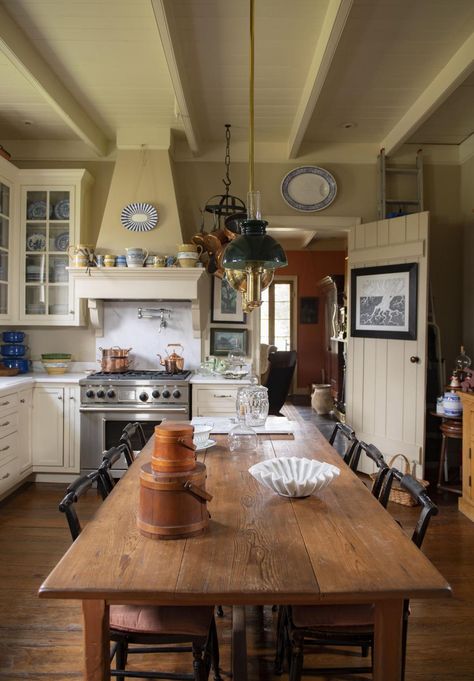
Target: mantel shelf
pixel 141 283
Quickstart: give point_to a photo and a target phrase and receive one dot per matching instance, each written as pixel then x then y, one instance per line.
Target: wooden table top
pixel 260 548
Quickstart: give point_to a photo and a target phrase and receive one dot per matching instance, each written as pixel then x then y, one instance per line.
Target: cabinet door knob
pixel 6 423
pixel 4 404
pixel 4 449
pixel 22 401
pixel 59 397
pixel 4 477
pixel 71 397
pixel 414 359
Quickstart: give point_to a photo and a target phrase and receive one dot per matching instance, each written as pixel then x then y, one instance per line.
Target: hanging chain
pixel 227 181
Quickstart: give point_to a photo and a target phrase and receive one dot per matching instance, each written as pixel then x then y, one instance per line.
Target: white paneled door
pixel 386 378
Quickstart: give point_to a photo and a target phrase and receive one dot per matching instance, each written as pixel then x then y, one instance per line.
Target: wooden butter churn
pixel 173 493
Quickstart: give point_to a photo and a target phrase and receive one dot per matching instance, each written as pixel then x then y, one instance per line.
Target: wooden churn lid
pixel 174 450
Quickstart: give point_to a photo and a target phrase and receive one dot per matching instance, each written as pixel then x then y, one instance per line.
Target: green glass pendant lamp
pixel 251 259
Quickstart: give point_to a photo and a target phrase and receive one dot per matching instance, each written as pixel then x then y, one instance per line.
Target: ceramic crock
pixel 452 405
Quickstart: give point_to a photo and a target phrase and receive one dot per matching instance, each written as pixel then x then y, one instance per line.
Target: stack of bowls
pixel 56 362
pixel 13 351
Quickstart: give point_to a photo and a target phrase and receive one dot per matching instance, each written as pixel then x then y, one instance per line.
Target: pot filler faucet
pixel 151 312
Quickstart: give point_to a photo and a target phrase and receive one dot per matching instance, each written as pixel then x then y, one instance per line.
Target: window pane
pixel 282 292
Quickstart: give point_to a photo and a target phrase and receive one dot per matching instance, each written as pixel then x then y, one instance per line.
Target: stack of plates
pixel 35 308
pixel 34 273
pixel 58 308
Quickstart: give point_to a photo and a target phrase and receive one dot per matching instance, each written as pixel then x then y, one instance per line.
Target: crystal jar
pixel 252 401
pixel 241 437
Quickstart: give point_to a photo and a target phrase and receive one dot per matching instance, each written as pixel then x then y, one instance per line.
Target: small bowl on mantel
pixel 294 476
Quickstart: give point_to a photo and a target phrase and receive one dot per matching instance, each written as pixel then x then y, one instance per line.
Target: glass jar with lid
pixel 252 401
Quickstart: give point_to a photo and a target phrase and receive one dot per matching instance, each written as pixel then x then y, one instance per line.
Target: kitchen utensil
pixel 173 355
pixel 136 257
pixel 21 364
pixel 13 350
pixel 169 364
pixel 114 351
pixel 13 336
pixel 232 224
pixel 115 365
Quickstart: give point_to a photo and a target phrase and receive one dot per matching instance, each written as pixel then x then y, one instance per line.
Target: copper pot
pixel 114 365
pixel 114 352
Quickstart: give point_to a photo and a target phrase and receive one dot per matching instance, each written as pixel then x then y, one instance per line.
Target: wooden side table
pixel 450 427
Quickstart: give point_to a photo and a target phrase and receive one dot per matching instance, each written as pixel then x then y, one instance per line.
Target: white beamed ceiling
pixel 128 68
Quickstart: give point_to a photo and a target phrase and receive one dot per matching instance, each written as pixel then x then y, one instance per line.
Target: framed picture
pixel 384 301
pixel 226 303
pixel 224 341
pixel 309 310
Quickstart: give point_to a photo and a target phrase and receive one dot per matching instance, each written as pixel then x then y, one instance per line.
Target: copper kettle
pixel 173 355
pixel 170 364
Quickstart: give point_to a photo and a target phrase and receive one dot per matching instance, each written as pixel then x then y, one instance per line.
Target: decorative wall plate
pixel 36 210
pixel 309 188
pixel 61 242
pixel 139 217
pixel 61 210
pixel 36 242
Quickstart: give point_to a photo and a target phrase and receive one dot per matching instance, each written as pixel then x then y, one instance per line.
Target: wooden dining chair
pixel 132 431
pixel 383 468
pixel 302 627
pixel 151 628
pixel 350 446
pixel 109 458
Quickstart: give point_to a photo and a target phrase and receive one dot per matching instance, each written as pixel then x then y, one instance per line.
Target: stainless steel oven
pixel 109 402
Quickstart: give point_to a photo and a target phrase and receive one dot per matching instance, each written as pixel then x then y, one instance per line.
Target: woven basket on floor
pixel 398 495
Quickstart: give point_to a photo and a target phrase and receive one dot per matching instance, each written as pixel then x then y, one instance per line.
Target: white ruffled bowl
pixel 294 476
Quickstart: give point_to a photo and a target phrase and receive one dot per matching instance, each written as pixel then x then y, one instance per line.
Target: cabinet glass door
pixel 47 238
pixel 4 245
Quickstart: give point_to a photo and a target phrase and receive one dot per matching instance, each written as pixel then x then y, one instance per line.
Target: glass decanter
pixel 253 399
pixel 241 437
pixel 463 362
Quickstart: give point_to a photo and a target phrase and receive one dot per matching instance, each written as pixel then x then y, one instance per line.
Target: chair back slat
pixel 131 430
pixel 376 456
pixel 73 493
pixel 106 481
pixel 350 456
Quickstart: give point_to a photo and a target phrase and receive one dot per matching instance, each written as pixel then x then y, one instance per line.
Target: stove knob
pixel 111 393
pixel 165 394
pixel 176 393
pixel 90 394
pixel 143 397
pixel 155 394
pixel 100 394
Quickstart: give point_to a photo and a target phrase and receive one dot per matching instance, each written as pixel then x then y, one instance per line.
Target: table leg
pixel 388 641
pixel 239 644
pixel 96 640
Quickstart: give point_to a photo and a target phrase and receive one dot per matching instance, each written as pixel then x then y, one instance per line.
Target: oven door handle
pixel 128 410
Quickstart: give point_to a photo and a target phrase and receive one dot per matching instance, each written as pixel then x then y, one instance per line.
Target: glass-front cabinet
pixel 5 231
pixel 51 215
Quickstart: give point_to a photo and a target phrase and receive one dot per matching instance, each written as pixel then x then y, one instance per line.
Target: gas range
pixel 135 389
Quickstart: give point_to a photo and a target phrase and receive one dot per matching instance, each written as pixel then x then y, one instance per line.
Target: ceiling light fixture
pixel 251 259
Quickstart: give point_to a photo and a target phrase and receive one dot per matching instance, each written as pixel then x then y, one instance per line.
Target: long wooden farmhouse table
pixel 339 546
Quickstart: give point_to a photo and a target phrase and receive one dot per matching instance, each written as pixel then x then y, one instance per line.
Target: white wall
pixel 123 328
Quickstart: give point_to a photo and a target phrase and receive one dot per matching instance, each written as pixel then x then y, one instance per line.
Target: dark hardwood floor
pixel 42 639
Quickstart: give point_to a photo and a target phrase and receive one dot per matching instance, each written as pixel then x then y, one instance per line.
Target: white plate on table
pixel 206 445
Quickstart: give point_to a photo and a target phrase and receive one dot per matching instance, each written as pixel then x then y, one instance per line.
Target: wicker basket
pixel 398 495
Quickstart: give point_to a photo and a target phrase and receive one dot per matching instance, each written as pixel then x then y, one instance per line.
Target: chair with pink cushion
pixel 156 629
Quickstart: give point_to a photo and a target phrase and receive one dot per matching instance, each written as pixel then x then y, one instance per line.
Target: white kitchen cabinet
pixel 15 451
pixel 53 205
pixel 7 203
pixel 214 399
pixel 55 429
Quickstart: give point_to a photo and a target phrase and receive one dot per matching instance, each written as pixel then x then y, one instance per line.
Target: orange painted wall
pixel 310 267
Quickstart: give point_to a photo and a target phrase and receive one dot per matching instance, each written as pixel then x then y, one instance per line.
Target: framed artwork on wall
pixel 224 341
pixel 384 301
pixel 309 310
pixel 226 303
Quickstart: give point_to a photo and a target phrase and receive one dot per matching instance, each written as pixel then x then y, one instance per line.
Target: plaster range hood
pixel 97 285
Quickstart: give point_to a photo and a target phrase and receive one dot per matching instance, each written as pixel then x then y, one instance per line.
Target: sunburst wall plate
pixel 139 217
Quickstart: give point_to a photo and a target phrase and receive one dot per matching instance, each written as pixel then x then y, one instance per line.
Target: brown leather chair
pixel 282 367
pixel 154 628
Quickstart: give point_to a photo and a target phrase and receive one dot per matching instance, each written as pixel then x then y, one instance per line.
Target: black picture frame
pixel 225 340
pixel 226 303
pixel 384 301
pixel 309 310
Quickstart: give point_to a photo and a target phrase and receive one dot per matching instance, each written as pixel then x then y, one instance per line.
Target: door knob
pixel 414 359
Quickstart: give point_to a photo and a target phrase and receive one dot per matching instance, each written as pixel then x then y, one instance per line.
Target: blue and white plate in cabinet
pixel 36 242
pixel 309 188
pixel 61 242
pixel 36 210
pixel 61 210
pixel 139 217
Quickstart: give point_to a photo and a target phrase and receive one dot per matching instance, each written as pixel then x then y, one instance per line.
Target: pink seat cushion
pixel 154 619
pixel 323 616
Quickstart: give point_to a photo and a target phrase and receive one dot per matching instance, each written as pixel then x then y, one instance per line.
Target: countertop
pixel 199 379
pixel 24 380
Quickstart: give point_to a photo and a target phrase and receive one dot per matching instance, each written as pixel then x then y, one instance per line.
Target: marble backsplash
pixel 123 328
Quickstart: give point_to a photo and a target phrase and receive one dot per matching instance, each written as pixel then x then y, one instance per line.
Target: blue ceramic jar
pixel 452 405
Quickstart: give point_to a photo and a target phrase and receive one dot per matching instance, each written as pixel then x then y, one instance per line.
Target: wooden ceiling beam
pixel 17 47
pixel 162 11
pixel 331 31
pixel 448 79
